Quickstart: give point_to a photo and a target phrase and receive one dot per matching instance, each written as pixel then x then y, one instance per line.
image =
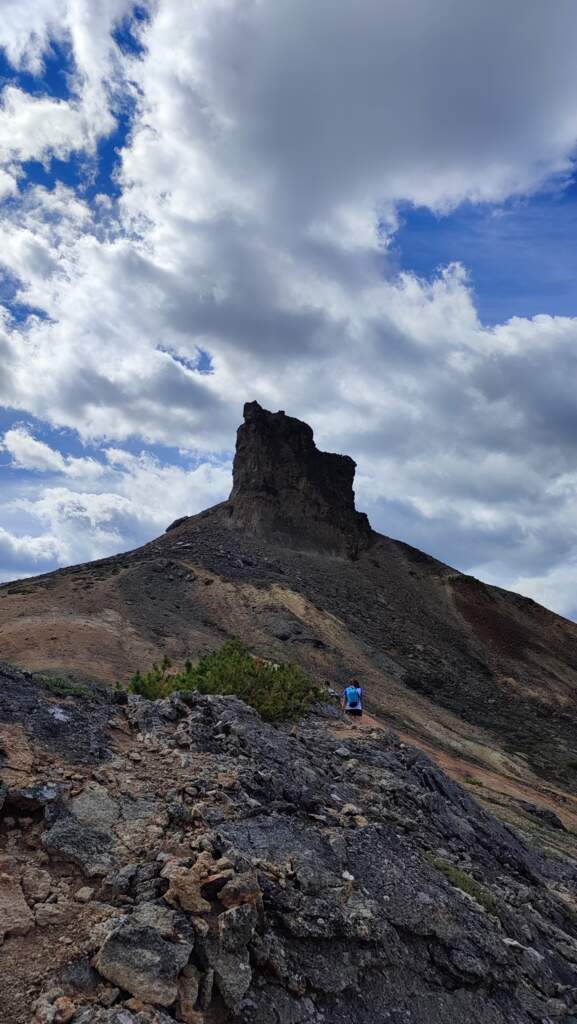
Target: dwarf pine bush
pixel 275 691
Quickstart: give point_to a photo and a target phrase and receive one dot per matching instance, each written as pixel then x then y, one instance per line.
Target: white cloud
pixel 29 453
pixel 40 127
pixel 83 509
pixel 270 144
pixel 28 554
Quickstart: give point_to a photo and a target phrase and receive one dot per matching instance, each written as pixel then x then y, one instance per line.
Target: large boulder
pixel 146 952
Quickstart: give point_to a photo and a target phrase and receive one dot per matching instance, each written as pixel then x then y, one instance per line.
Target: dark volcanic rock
pixel 258 873
pixel 285 488
pixel 145 954
pixel 81 844
pixel 74 729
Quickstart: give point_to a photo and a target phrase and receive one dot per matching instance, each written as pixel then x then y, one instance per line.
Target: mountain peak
pixel 286 489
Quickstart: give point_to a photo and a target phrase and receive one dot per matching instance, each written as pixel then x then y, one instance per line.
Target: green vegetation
pixel 275 691
pixel 470 781
pixel 61 686
pixel 461 880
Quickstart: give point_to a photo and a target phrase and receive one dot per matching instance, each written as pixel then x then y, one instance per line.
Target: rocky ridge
pixel 183 860
pixel 483 680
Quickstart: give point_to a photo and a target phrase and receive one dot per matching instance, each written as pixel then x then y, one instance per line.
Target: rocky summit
pixel 181 859
pixel 286 490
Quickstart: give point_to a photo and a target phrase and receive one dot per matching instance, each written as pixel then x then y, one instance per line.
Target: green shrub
pixel 284 691
pixel 470 781
pixel 61 686
pixel 461 880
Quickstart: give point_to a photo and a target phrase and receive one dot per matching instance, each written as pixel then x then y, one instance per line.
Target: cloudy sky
pixel 362 212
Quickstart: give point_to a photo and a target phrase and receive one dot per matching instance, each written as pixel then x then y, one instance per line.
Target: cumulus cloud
pixel 28 452
pixel 270 146
pixel 41 127
pixel 83 508
pixel 28 554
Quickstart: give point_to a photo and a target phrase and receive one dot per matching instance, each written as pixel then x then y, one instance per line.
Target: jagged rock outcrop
pixel 285 491
pixel 260 873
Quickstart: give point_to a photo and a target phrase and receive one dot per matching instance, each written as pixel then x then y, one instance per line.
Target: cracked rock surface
pixel 200 865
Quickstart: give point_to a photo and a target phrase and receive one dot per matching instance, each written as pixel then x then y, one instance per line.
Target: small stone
pixel 185 884
pixel 51 913
pixel 343 752
pixel 36 883
pixel 84 895
pixel 15 914
pixel 108 996
pixel 65 1010
pixel 243 888
pixel 350 809
pixel 212 885
pixel 71 840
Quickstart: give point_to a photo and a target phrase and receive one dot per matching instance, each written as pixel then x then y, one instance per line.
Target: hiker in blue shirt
pixel 352 699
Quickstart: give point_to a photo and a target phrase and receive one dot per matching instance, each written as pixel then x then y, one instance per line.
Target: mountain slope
pixel 483 679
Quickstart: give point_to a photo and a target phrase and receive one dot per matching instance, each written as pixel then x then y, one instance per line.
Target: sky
pixel 364 213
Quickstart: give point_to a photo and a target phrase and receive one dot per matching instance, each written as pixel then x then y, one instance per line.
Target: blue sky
pixel 201 207
pixel 521 255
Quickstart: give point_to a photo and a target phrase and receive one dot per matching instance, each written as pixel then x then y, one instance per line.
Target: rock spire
pixel 286 489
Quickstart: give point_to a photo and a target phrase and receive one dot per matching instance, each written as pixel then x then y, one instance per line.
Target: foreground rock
pixel 146 953
pixel 244 873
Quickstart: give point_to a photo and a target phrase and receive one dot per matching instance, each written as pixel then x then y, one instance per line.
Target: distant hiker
pixel 352 699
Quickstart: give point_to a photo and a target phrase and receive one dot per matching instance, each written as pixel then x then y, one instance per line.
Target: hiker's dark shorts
pixel 354 711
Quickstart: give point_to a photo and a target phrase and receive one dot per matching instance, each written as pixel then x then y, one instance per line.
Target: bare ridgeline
pixel 183 860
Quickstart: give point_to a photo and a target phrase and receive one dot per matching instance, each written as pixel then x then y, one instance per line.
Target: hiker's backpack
pixel 353 696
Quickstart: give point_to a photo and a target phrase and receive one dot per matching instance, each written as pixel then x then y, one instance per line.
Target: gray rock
pixel 145 954
pixel 224 950
pixel 95 807
pixel 83 845
pixel 30 799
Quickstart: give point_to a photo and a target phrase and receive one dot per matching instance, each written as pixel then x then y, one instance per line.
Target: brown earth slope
pixel 483 679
